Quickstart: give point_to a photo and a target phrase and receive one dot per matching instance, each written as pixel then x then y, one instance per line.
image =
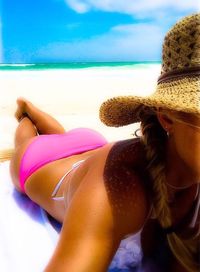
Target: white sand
pixel 72 96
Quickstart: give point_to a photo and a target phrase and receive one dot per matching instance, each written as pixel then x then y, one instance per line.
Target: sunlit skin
pixel 109 216
pixel 183 149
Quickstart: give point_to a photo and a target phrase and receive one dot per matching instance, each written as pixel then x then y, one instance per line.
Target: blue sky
pixel 86 30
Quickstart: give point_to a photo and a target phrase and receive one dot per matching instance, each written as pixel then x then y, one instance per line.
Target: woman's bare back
pixel 40 184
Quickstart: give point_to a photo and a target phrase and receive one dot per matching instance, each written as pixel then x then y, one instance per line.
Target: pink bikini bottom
pixel 52 147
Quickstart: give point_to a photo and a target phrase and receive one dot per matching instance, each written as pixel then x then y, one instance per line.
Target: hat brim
pixel 179 95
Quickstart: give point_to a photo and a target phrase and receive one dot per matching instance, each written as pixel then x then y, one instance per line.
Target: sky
pixel 45 31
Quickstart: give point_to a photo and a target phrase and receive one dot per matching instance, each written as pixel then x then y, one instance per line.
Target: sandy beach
pixel 72 96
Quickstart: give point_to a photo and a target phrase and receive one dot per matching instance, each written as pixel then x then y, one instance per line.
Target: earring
pixel 167 131
pixel 136 133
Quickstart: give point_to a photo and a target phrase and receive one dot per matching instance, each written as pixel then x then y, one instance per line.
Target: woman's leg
pixel 31 122
pixel 44 123
pixel 25 132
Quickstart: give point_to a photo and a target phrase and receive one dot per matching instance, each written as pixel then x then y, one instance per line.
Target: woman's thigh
pixel 40 184
pixel 16 160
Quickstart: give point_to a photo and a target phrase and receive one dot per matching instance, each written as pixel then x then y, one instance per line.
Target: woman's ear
pixel 164 119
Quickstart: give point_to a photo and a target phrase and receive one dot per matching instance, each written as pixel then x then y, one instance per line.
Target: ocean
pixel 75 65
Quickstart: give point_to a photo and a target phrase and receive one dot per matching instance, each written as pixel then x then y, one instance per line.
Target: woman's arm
pixel 88 240
pixel 91 233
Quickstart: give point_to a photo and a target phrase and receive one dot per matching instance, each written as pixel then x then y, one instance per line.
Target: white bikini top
pixel 61 198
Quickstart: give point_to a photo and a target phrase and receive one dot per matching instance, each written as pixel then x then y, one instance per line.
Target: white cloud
pixel 122 42
pixel 78 5
pixel 140 41
pixel 132 6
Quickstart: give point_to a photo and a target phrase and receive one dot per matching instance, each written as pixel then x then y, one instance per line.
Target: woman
pixel 103 192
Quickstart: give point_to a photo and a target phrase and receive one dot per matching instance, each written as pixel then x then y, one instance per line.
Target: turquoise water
pixel 74 65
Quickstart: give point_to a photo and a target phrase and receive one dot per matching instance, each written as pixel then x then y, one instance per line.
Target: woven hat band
pixel 190 71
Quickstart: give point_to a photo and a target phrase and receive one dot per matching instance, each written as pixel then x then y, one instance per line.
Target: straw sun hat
pixel 178 87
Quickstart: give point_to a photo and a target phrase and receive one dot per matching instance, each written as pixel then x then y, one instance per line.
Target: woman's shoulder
pixel 124 154
pixel 126 159
pixel 129 151
pixel 120 164
pixel 123 161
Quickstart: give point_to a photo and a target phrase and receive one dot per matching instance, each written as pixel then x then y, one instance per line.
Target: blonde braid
pixel 154 139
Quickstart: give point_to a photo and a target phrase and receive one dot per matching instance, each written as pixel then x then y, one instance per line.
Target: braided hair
pixel 154 139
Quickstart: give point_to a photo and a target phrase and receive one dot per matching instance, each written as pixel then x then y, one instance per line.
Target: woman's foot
pixel 44 123
pixel 22 109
